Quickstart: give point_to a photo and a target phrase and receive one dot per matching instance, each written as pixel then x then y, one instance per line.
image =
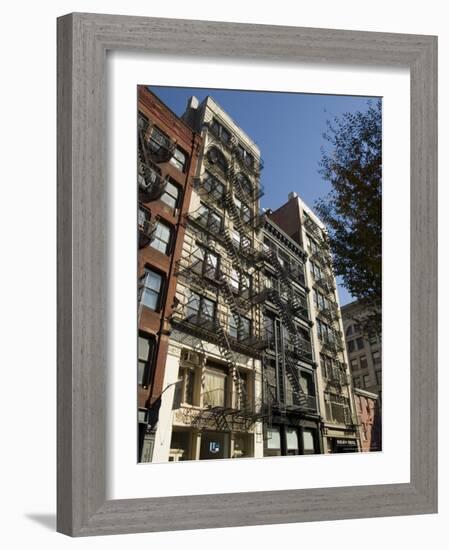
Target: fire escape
pixel 327 309
pixel 296 349
pixel 242 258
pixel 154 148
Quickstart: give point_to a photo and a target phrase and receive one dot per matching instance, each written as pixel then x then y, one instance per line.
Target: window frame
pixel 148 367
pixel 176 162
pixel 169 243
pixel 160 293
pixel 177 200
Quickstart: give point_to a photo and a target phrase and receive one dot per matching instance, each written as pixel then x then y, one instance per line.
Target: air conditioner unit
pixel 188 356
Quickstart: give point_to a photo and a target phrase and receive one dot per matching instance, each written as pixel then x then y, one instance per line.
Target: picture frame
pixel 83 41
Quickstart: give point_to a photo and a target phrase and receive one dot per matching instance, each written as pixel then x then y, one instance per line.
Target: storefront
pixel 192 444
pixel 343 445
pixel 285 439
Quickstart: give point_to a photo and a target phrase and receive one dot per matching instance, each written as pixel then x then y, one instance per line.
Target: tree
pixel 352 211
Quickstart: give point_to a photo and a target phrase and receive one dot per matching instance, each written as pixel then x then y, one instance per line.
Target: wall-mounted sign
pixel 214 447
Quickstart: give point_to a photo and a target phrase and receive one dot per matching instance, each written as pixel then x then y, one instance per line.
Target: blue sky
pixel 288 128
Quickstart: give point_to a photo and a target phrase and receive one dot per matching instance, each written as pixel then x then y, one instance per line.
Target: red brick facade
pixel 156 322
pixel 368 413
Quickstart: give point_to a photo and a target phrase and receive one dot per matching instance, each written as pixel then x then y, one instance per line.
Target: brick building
pixel 167 157
pixel 370 422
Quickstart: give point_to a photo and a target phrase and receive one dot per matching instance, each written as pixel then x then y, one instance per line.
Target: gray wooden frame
pixel 83 40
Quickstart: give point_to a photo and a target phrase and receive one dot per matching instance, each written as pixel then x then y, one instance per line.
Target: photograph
pixel 259 274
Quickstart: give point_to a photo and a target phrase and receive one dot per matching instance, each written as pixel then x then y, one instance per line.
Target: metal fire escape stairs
pixel 285 311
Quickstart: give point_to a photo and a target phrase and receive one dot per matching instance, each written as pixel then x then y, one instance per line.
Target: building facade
pixel 367 405
pixel 167 156
pixel 292 420
pixel 241 343
pixel 364 349
pixel 213 404
pixel 339 422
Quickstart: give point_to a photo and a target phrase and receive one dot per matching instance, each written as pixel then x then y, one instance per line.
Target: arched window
pixel 349 331
pixel 216 157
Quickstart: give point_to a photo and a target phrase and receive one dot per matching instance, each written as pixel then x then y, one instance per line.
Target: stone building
pixel 334 387
pixel 213 407
pixel 364 349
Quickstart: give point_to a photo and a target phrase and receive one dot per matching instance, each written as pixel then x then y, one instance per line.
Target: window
pixel 210 219
pixel 308 439
pixel 170 195
pixel 325 333
pixel 205 262
pixel 239 282
pixel 269 327
pixel 213 186
pixel 152 289
pixel 220 131
pixel 360 344
pixel 145 354
pixel 243 210
pixel 351 346
pixel 158 141
pixel 214 387
pixel 246 157
pixel 186 387
pixel 379 377
pixel 242 445
pixel 180 446
pixel 356 381
pixel 142 121
pixel 323 365
pixel 200 306
pixel 307 384
pixel 273 441
pixel 376 358
pixel 363 362
pixel 179 159
pixel 236 238
pixel 217 158
pixel 291 437
pixel 243 183
pixel 162 238
pixel 365 380
pixel 143 218
pixel 349 331
pixel 337 408
pixel 354 364
pixel 327 366
pixel 270 372
pixel 239 327
pixel 214 445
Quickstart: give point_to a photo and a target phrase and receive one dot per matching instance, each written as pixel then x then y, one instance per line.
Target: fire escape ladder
pixel 242 403
pixel 292 375
pixel 234 213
